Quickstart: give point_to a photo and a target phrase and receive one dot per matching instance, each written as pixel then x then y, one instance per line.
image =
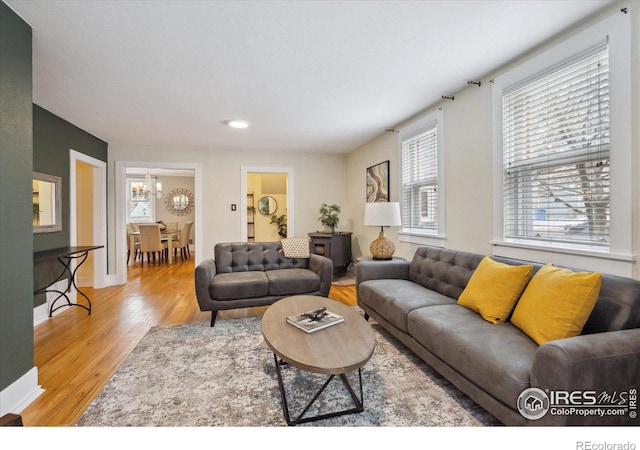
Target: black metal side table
pixel 65 255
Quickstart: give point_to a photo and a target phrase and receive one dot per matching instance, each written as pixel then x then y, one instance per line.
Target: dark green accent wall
pixel 53 137
pixel 31 139
pixel 16 231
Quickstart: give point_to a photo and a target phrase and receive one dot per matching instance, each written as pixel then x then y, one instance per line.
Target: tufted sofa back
pixel 254 256
pixel 444 271
pixel 449 271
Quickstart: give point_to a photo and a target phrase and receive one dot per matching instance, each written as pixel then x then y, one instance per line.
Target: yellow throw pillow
pixel 557 303
pixel 494 289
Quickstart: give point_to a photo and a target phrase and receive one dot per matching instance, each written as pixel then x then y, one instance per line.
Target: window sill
pixel 583 259
pixel 414 237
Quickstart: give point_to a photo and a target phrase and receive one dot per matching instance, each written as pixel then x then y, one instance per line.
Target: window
pixel 420 146
pixel 141 205
pixel 556 154
pixel 562 152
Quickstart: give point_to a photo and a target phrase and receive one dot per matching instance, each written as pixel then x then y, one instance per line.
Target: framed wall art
pixel 378 182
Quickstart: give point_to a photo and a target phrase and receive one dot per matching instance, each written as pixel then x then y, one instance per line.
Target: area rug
pixel 195 375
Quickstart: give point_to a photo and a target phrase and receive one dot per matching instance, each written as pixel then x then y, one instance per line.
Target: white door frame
pixel 121 213
pixel 290 196
pixel 99 212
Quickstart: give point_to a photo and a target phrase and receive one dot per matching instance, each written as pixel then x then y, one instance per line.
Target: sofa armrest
pixel 587 361
pixel 324 268
pixel 376 270
pixel 602 362
pixel 205 271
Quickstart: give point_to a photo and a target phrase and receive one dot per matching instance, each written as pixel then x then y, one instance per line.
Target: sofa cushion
pixel 476 348
pixel 292 281
pixel 556 304
pixel 232 286
pixel 494 289
pixel 394 299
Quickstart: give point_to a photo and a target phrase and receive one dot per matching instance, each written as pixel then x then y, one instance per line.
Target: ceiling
pixel 314 76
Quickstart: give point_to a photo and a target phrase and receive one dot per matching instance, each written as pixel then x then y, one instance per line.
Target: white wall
pixel 162 213
pixel 468 161
pixel 468 176
pixel 379 150
pixel 318 178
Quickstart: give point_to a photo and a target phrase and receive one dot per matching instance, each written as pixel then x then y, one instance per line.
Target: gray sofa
pixel 248 274
pixel 493 364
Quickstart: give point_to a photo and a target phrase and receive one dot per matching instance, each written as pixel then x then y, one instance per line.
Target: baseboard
pixel 18 395
pixel 112 280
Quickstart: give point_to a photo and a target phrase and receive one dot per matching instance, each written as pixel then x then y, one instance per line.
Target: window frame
pixel 540 167
pixel 152 203
pixel 422 236
pixel 618 258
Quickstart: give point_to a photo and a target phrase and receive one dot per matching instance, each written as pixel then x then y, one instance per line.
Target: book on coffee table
pixel 312 321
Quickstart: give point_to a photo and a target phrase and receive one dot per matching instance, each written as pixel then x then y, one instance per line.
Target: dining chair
pixel 172 225
pixel 152 242
pixel 133 242
pixel 182 241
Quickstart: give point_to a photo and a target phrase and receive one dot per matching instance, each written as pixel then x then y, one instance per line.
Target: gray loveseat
pixel 248 274
pixel 493 364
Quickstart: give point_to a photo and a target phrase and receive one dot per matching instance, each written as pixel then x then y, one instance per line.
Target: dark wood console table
pixel 336 247
pixel 65 255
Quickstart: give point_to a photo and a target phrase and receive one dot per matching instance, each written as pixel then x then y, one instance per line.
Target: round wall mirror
pixel 267 205
pixel 179 202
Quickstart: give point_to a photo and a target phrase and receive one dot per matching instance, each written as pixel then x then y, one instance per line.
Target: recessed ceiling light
pixel 238 124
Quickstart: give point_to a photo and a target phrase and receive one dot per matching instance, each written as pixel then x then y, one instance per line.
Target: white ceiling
pixel 308 75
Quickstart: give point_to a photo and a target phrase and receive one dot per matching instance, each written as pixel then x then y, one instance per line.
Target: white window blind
pixel 419 154
pixel 556 154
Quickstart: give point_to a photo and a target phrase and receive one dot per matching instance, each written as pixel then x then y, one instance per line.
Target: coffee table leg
pixel 285 407
pixel 359 402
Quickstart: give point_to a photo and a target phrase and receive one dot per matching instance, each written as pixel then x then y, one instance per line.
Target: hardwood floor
pixel 76 354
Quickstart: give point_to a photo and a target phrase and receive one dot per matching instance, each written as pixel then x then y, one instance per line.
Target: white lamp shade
pixel 382 214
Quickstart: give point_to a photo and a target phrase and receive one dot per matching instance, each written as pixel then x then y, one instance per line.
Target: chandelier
pixel 146 190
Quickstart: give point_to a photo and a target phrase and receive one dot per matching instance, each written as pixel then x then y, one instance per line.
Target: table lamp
pixel 382 214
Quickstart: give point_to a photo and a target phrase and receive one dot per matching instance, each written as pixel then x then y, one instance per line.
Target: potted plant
pixel 329 216
pixel 281 223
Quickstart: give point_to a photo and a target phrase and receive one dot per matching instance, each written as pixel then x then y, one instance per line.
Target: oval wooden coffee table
pixel 336 350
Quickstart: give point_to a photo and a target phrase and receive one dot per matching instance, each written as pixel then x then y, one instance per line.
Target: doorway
pixel 121 205
pixel 267 208
pixel 159 195
pixel 88 215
